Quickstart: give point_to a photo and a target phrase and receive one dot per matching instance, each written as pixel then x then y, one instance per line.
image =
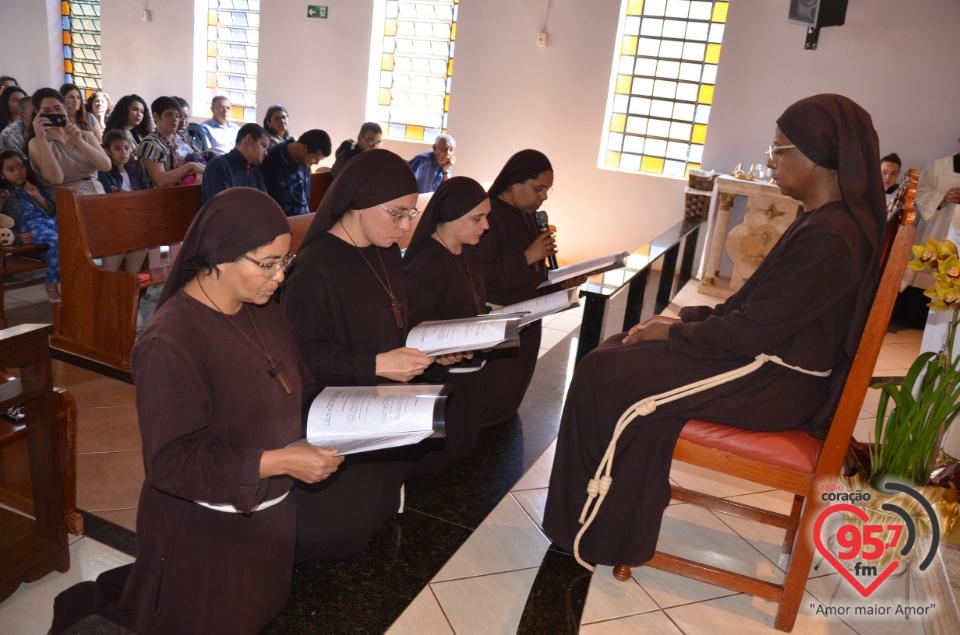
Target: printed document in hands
pixel 585 268
pixel 363 418
pixel 443 337
pixel 540 307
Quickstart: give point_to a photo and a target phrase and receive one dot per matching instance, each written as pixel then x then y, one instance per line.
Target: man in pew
pixel 286 170
pixel 220 131
pixel 240 167
pixel 370 137
pixel 434 167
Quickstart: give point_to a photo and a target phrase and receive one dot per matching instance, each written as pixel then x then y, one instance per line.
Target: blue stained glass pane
pixel 67 53
pixel 65 23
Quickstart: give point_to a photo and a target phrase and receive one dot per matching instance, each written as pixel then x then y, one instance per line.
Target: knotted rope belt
pixel 600 484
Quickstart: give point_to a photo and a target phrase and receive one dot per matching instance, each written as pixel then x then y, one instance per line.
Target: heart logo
pixel 864 591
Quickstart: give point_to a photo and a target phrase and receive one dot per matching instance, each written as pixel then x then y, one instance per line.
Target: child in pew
pixel 32 211
pixel 124 176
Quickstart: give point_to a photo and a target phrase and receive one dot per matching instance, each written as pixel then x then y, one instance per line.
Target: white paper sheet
pixel 362 418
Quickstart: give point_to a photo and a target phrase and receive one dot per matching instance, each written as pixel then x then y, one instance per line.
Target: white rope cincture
pixel 599 485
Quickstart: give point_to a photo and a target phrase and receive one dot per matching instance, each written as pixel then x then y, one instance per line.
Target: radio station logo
pixel 860 545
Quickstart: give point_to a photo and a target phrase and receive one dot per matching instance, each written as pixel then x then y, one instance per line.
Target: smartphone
pixel 56 121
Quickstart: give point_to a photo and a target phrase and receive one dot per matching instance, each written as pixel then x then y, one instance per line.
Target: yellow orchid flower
pixel 945 298
pixel 926 256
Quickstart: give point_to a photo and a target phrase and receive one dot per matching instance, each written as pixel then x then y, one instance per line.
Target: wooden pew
pixel 299 225
pixel 97 317
pixel 16 487
pixel 319 183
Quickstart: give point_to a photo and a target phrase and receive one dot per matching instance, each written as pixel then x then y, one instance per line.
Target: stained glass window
pixel 233 42
pixel 662 85
pixel 80 21
pixel 415 68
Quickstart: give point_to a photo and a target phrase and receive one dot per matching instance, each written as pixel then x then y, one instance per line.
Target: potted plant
pixel 913 416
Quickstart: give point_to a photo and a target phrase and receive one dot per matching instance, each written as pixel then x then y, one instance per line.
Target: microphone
pixel 543 225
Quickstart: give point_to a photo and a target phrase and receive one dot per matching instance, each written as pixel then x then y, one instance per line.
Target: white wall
pixel 30 42
pixel 508 94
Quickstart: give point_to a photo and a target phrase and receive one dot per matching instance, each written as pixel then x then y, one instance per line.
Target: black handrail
pixel 682 237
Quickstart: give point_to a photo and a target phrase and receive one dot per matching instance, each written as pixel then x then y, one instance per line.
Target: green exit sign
pixel 315 11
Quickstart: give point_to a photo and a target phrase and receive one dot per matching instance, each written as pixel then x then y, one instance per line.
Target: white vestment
pixel 935 180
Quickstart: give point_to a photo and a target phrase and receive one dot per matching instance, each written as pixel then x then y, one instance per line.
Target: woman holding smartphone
pixel 61 153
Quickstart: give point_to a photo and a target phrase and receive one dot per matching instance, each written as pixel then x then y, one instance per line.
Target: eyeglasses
pixel 774 149
pixel 174 116
pixel 541 190
pixel 273 269
pixel 399 218
pixel 278 118
pixel 372 142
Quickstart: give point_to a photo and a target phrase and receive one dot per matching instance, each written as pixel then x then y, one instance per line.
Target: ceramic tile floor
pixel 483 588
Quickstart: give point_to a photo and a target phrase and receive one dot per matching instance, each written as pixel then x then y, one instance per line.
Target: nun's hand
pixel 453 358
pixel 402 364
pixel 545 245
pixel 953 195
pixel 656 328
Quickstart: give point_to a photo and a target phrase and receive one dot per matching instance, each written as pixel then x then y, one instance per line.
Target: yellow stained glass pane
pixel 720 11
pixel 384 96
pixel 618 122
pixel 706 94
pixel 211 49
pixel 635 7
pixel 66 38
pixel 68 66
pixel 450 67
pixel 629 46
pixel 386 63
pixel 623 84
pixel 713 54
pixel 699 133
pixel 236 112
pixel 446 103
pixel 390 28
pixel 211 80
pixel 612 160
pixel 64 8
pixel 453 31
pixel 415 133
pixel 652 165
pixel 211 18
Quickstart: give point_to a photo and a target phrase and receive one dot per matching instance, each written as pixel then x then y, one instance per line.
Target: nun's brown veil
pixel 230 224
pixel 371 178
pixel 453 199
pixel 522 166
pixel 834 132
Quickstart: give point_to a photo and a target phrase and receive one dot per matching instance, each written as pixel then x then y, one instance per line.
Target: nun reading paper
pixel 363 418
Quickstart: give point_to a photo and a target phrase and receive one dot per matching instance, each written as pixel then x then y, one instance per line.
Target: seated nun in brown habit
pixel 445 282
pixel 512 253
pixel 806 304
pixel 347 303
pixel 220 389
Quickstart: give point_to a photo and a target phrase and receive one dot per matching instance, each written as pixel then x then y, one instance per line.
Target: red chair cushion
pixel 793 449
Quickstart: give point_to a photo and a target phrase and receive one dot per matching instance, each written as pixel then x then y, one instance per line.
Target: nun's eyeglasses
pixel 273 269
pixel 774 150
pixel 399 218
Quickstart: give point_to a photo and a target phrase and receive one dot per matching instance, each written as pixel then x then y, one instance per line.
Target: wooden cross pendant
pixel 395 307
pixel 277 372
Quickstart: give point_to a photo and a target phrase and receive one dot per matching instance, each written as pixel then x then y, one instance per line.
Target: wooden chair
pixel 16 259
pixel 792 461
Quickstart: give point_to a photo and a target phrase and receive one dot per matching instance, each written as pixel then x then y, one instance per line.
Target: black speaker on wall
pixel 815 14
